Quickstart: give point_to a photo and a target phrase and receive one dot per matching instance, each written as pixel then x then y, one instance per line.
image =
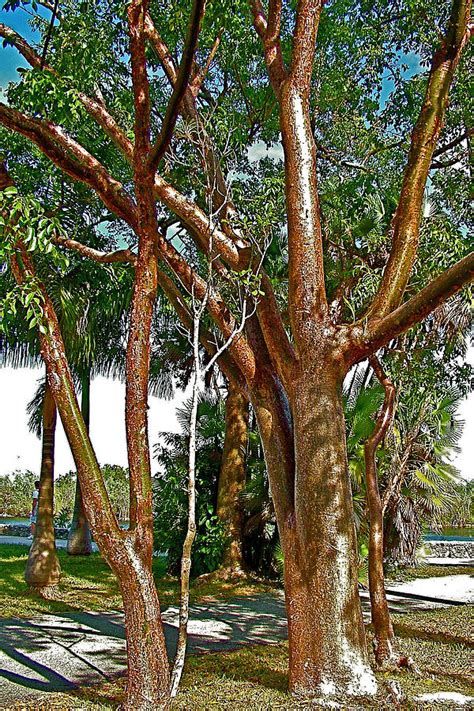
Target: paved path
pixel 24 541
pixel 58 652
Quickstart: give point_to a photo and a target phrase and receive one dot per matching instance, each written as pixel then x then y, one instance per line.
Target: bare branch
pixel 120 255
pixel 49 32
pixel 455 142
pixel 406 222
pixel 181 84
pixel 226 363
pixel 198 80
pixel 379 608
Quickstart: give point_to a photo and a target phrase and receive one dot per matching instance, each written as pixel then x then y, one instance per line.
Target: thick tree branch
pixel 269 31
pixel 380 332
pixel 99 510
pixel 181 85
pixel 307 292
pixel 162 51
pixel 406 222
pixel 304 44
pixel 237 255
pixel 71 157
pixel 119 255
pixel 143 296
pixel 95 109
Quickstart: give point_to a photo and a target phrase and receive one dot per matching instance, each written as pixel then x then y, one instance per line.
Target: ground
pixel 225 616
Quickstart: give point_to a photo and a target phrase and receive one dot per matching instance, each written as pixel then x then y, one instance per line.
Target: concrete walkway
pixel 24 541
pixel 58 652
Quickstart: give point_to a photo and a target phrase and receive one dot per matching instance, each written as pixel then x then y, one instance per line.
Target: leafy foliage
pixel 170 492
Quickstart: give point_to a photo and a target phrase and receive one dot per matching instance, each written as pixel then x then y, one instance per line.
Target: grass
pixel 87 583
pixel 255 677
pixel 454 624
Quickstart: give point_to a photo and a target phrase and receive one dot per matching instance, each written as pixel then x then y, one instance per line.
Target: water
pixel 451 534
pixel 10 521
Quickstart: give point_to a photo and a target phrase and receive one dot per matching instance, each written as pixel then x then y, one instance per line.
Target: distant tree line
pixel 16 491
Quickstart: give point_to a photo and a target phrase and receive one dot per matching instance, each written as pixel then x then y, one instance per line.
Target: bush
pixel 170 492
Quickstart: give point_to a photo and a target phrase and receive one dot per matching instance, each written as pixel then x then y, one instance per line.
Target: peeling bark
pixel 328 654
pixel 79 540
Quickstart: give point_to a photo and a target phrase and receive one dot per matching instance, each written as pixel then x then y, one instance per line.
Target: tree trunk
pixel 327 644
pixel 42 569
pixel 232 475
pixel 186 560
pixel 147 659
pixel 382 624
pixel 79 541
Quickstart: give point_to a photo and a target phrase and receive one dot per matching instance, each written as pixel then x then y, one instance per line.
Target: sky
pixel 19 449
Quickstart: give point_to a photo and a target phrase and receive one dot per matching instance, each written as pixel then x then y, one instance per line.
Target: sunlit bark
pixel 232 475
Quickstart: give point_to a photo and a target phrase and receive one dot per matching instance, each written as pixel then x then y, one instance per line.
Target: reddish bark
pixel 383 629
pixel 295 390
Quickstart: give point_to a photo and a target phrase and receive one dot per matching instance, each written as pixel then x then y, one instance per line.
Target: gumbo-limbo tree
pixel 250 143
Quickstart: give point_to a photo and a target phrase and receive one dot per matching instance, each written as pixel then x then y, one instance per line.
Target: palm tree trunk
pixel 42 569
pixel 79 540
pixel 232 475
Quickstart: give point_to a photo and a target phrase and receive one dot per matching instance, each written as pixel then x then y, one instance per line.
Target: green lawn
pixel 87 583
pixel 255 677
pixel 440 642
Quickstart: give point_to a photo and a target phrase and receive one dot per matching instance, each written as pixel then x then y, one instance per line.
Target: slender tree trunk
pixel 42 569
pixel 232 475
pixel 180 655
pixel 79 540
pixel 327 644
pixel 382 624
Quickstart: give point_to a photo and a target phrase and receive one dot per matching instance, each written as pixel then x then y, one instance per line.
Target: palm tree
pixel 43 569
pixel 421 483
